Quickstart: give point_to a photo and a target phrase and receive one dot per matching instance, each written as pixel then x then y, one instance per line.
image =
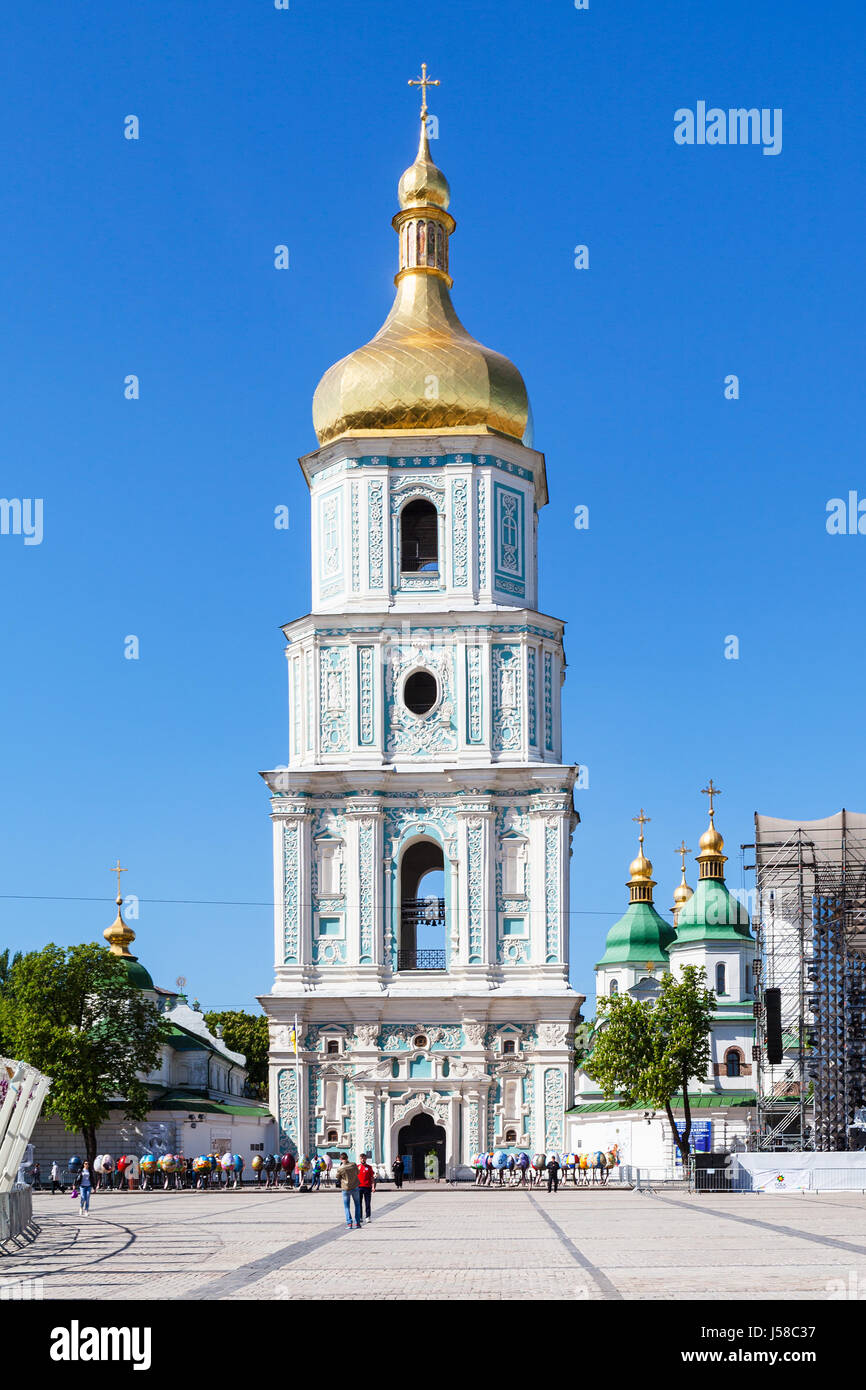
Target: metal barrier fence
pixel 17 1226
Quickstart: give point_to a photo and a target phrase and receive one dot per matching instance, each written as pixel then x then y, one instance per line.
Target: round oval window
pixel 420 692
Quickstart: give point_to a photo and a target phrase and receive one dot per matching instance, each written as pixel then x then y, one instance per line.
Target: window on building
pixel 419 1040
pixel 508 1045
pixel 511 1136
pixel 721 986
pixel 614 986
pixel 748 979
pixel 732 1062
pixel 332 1136
pixel 420 692
pixel 333 1046
pixel 419 536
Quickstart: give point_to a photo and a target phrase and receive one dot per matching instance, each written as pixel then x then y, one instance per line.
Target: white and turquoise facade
pixel 476 1032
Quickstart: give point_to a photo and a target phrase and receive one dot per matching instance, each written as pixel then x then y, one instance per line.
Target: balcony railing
pixel 419 914
pixel 420 960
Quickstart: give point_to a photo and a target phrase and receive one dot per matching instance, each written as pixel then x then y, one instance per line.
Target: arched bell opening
pixel 419 537
pixel 421 944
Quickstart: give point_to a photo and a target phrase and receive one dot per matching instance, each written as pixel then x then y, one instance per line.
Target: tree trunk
pixel 88 1134
pixel 687 1115
pixel 681 1140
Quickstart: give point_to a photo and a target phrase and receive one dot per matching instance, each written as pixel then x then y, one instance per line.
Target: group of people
pixel 519 1170
pixel 357 1182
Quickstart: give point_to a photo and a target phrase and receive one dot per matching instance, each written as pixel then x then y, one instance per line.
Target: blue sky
pixel 155 257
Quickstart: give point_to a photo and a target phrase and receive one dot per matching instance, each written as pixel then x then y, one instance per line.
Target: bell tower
pixel 422 825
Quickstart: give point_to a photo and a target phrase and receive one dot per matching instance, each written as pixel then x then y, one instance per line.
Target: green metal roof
pixel 136 974
pixel 699 1101
pixel 192 1100
pixel 639 937
pixel 712 913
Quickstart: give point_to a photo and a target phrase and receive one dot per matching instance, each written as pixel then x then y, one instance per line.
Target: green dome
pixel 712 914
pixel 638 938
pixel 136 975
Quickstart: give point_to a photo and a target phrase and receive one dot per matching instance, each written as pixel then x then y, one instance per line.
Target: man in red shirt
pixel 366 1184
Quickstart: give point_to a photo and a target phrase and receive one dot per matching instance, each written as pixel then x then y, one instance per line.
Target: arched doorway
pixel 417 1139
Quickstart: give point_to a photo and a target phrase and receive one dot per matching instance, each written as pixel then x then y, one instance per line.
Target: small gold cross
pixel 711 791
pixel 683 849
pixel 118 870
pixel 423 82
pixel 642 820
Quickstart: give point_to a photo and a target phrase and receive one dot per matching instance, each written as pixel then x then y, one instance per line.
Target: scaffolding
pixel 810 926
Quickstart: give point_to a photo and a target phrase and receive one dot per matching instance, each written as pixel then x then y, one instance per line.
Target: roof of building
pixel 195 1100
pixel 640 937
pixel 722 1100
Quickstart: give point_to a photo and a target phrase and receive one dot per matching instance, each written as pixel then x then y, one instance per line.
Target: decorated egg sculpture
pixel 303 1164
pixel 107 1163
pixel 477 1161
pixel 201 1164
pixel 237 1163
pixel 227 1162
pixel 287 1163
pixel 148 1163
pixel 270 1163
pixel 599 1160
pixel 258 1163
pixel 97 1164
pixel 583 1161
pixel 133 1167
pixel 523 1161
pixel 121 1163
pixel 538 1161
pixel 320 1165
pixel 74 1162
pixel 501 1159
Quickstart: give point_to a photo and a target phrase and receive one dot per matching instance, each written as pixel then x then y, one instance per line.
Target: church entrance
pixel 416 1140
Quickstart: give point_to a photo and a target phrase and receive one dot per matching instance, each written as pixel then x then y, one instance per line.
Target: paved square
pixel 434 1242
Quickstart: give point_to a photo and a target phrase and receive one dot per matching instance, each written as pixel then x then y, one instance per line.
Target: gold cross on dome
pixel 118 870
pixel 423 82
pixel 683 849
pixel 711 791
pixel 642 820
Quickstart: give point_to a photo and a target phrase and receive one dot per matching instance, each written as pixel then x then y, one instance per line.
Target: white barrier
pixel 802 1172
pixel 25 1092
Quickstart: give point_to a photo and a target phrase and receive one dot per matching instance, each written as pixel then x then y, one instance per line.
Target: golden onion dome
pixel 711 841
pixel 640 870
pixel 422 183
pixel 422 373
pixel 682 893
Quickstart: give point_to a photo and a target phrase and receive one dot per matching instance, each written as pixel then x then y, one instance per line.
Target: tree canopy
pixel 246 1033
pixel 72 1013
pixel 646 1053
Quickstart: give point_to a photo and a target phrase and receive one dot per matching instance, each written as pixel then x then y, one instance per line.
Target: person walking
pixel 553 1173
pixel 366 1185
pixel 347 1177
pixel 55 1177
pixel 84 1185
pixel 37 1178
pixel 397 1170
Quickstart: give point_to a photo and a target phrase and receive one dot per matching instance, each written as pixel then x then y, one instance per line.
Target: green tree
pixel 6 967
pixel 72 1014
pixel 248 1034
pixel 647 1053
